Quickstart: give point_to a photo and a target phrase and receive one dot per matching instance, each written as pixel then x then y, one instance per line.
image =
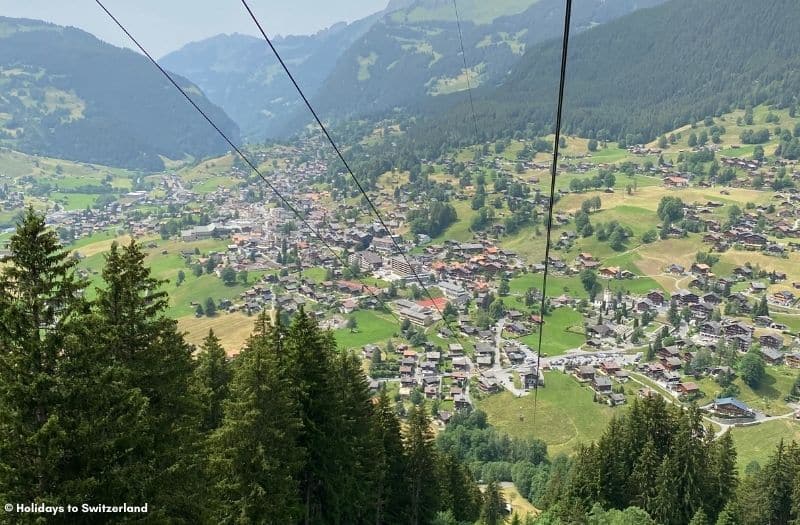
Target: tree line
pixel 103 401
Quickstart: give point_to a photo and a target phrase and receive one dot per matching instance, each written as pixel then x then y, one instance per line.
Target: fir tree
pixel 421 464
pixel 212 376
pixel 459 492
pixel 699 518
pixel 254 454
pixel 157 361
pixel 39 300
pixel 723 475
pixel 391 502
pixel 493 505
pixel 726 517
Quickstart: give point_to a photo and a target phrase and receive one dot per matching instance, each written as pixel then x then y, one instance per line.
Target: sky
pixel 166 25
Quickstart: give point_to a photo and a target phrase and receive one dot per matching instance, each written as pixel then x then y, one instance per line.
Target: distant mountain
pixel 401 57
pixel 412 57
pixel 66 94
pixel 647 73
pixel 239 72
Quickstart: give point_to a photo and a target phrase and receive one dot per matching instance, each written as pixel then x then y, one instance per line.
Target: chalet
pixel 460 402
pixel 701 311
pixel 644 305
pixel 515 357
pixel 460 363
pixel 622 375
pixel 688 389
pixel 610 367
pixel 700 269
pixel 657 297
pixel 757 287
pixel 771 341
pixel 616 399
pixel 668 352
pixel 517 328
pixel 676 182
pixel 772 356
pixel 782 298
pixel 587 260
pixel 612 272
pixel 455 349
pixel 737 328
pixel 712 298
pixel 685 297
pixel 792 360
pixel 741 342
pixel 408 381
pixel 530 378
pixel 731 407
pixel 752 239
pixel 675 269
pixel 672 363
pixel 654 369
pixel 601 384
pixel 484 360
pixel 601 330
pixel 710 330
pixel 585 373
pixel 487 383
pixel 433 357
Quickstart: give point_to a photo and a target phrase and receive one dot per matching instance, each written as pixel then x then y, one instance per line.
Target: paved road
pixel 503 374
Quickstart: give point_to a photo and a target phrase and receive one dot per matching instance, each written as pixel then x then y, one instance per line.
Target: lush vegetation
pixel 103 402
pixel 659 464
pixel 74 97
pixel 643 75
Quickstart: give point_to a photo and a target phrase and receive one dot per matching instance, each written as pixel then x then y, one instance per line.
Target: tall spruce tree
pixel 350 498
pixel 39 301
pixel 156 360
pixel 212 376
pixel 459 492
pixel 390 496
pixel 493 505
pixel 253 455
pixel 421 467
pixel 723 476
pixel 310 358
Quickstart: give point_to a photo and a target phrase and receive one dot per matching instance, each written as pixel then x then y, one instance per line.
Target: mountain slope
pixel 66 94
pixel 650 72
pixel 412 56
pixel 239 72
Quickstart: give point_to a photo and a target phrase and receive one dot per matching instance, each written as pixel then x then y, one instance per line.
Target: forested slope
pixel 66 94
pixel 644 74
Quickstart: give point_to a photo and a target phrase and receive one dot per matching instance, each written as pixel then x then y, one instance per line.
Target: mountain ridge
pixel 60 93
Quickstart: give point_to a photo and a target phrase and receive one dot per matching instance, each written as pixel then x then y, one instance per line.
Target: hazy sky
pixel 165 25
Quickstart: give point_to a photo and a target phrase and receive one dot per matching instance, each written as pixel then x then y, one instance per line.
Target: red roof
pixel 439 303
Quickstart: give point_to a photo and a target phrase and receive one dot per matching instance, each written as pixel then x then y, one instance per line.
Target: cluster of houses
pixel 602 379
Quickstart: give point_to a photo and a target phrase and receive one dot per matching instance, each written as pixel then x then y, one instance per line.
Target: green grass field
pixel 373 327
pixel 563 330
pixel 476 11
pixel 768 397
pixel 566 414
pixel 460 230
pixel 758 442
pixel 74 201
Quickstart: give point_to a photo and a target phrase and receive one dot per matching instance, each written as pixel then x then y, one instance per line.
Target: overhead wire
pixel 338 151
pixel 238 151
pixel 466 69
pixel 554 167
